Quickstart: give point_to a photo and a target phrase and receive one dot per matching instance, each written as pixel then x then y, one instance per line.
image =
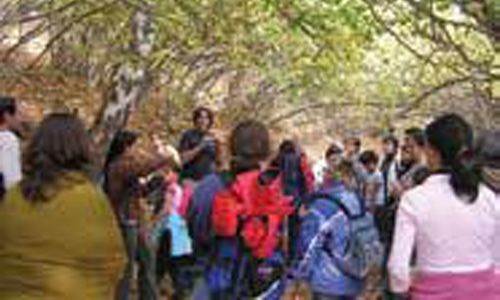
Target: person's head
pixel 60 145
pixel 203 118
pixel 287 147
pixel 123 142
pixel 249 145
pixel 391 145
pixel 8 112
pixel 488 156
pixel 448 147
pixel 352 146
pixel 369 159
pixel 286 150
pixel 346 172
pixel 333 156
pixel 413 143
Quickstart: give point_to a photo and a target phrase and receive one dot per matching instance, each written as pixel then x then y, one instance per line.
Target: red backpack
pixel 253 211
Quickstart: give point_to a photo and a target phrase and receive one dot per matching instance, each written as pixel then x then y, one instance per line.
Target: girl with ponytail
pixel 450 220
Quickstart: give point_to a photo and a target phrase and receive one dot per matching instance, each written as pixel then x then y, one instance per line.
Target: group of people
pixel 264 224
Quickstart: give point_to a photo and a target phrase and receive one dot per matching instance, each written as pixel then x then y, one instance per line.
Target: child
pixel 172 238
pixel 325 231
pixel 373 186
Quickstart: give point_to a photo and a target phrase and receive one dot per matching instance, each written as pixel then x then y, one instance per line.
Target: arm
pixel 189 155
pixel 404 240
pixel 371 190
pixel 142 164
pixel 187 150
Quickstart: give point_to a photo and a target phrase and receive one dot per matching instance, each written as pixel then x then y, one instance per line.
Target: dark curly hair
pixel 60 145
pixel 201 110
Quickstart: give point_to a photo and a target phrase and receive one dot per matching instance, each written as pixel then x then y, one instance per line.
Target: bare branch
pixel 415 103
pixel 67 27
pixel 442 21
pixel 26 38
pixel 41 16
pixel 405 44
pixel 290 114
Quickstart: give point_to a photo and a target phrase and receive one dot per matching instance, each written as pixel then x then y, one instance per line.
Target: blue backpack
pixel 363 252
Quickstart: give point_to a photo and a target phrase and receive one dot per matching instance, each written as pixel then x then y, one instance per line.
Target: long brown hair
pixel 60 145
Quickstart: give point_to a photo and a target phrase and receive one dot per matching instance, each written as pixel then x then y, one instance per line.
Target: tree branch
pixel 402 42
pixel 67 27
pixel 415 103
pixel 313 105
pixel 40 16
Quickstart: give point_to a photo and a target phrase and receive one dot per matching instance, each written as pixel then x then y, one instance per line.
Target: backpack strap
pixel 326 225
pixel 322 195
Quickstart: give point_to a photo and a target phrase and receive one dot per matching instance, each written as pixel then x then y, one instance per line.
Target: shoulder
pixel 190 133
pixel 325 206
pixel 490 198
pixel 8 139
pixel 423 195
pixel 210 183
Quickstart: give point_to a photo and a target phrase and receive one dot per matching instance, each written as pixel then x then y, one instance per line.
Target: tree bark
pixel 131 82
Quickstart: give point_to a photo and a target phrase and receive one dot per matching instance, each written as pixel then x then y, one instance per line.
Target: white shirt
pixel 450 236
pixel 10 158
pixel 319 171
pixel 377 179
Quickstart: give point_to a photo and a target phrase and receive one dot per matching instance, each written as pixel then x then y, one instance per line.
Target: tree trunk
pixel 131 82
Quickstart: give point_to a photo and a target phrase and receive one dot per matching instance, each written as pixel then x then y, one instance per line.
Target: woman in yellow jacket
pixel 58 235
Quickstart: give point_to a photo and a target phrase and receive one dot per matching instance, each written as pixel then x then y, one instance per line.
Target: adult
pixel 412 168
pixel 388 164
pixel 385 216
pixel 489 158
pixel 124 166
pixel 60 239
pixel 10 153
pixel 198 147
pixel 297 180
pixel 450 220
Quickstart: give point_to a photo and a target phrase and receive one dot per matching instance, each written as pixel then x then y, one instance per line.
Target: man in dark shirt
pixel 198 147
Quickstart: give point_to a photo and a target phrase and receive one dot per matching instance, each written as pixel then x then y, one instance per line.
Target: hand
pixel 207 140
pixel 397 190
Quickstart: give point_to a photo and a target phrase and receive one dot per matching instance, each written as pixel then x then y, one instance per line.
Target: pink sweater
pixel 451 237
